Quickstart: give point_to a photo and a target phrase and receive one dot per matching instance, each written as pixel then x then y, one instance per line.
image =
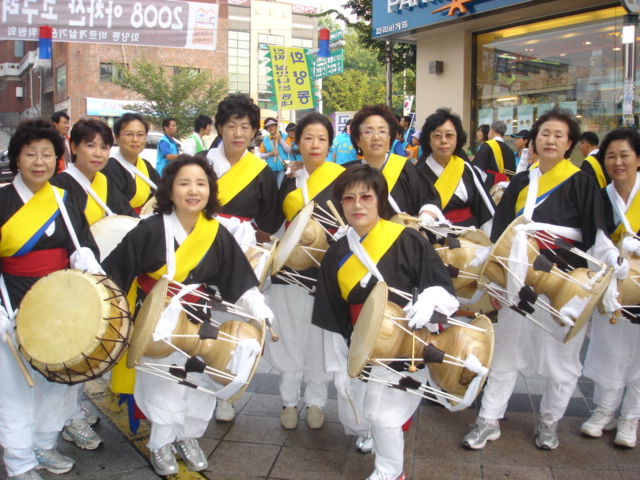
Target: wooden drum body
pixel 377 336
pixel 73 326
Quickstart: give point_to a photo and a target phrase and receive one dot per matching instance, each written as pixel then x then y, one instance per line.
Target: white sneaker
pixel 224 411
pixel 599 421
pixel 378 475
pixel 627 432
pixel 92 419
pixel 80 433
pixel 364 444
pixel 53 461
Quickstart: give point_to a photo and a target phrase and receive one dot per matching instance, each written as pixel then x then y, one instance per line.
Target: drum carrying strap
pixel 391 170
pixel 140 173
pixel 320 179
pixel 97 190
pixel 625 212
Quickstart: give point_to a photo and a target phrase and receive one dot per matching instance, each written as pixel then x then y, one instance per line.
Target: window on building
pixel 61 79
pixel 109 72
pixel 177 70
pixel 238 62
pixel 270 39
pixel 574 62
pixel 302 43
pixel 18 48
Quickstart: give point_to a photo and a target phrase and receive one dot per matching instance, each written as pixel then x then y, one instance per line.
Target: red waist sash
pixel 37 263
pixel 498 177
pixel 458 215
pixel 355 310
pixel 146 283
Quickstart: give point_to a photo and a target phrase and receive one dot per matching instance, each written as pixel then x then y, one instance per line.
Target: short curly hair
pixel 437 119
pixel 560 115
pixel 165 186
pixel 33 130
pixel 236 107
pixel 367 111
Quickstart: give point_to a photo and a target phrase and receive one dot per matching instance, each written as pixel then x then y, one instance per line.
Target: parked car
pixel 150 151
pixel 6 176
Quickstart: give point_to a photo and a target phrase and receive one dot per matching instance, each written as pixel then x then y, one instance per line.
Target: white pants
pixel 382 412
pixel 299 354
pixel 609 399
pixel 30 418
pixel 176 412
pixel 555 398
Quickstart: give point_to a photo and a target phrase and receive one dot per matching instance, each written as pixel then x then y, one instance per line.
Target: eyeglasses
pixel 372 133
pixel 45 156
pixel 365 199
pixel 133 134
pixel 437 137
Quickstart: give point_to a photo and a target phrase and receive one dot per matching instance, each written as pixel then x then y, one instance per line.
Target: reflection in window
pixel 109 72
pixel 61 79
pixel 574 62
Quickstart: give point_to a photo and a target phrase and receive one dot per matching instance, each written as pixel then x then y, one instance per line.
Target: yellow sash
pixel 597 168
pixel 188 256
pixel 320 179
pixel 633 216
pixel 93 211
pixel 547 183
pixel 143 191
pixel 23 230
pixel 392 169
pixel 497 153
pixel 377 242
pixel 238 177
pixel 449 180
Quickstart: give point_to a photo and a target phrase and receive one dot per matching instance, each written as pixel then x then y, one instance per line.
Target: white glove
pixel 6 325
pixel 342 381
pixel 253 301
pixel 432 298
pixel 630 245
pixel 620 270
pixel 427 220
pixel 342 231
pixel 85 260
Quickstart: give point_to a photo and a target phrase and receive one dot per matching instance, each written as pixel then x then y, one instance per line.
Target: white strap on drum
pixel 133 170
pixel 84 182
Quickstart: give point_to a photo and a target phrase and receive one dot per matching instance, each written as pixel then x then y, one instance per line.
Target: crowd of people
pixel 385 197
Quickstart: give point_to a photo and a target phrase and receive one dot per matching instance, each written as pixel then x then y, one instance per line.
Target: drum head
pixel 109 232
pixel 60 315
pixel 146 321
pixel 599 290
pixel 147 208
pixel 291 237
pixel 367 327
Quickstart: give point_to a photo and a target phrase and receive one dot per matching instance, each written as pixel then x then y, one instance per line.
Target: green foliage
pixel 183 95
pixel 351 90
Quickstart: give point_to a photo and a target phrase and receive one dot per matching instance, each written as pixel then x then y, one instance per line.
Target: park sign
pixel 161 23
pixel 327 66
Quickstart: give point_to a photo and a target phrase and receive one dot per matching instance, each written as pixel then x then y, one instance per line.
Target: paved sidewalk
pixel 254 446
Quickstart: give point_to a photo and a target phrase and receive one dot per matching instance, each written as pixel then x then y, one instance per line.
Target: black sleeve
pixel 118 203
pixel 330 310
pixel 505 211
pixel 270 215
pixel 422 190
pixel 484 159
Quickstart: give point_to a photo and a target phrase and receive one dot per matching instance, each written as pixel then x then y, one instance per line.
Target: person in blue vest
pixel 168 149
pixel 398 144
pixel 342 149
pixel 273 149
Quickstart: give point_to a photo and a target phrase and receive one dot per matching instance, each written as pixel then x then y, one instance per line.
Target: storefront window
pixel 574 62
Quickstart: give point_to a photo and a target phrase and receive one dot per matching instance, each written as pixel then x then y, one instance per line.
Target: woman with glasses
pixel 129 173
pixel 373 130
pixel 464 200
pixel 613 358
pixel 375 250
pixel 36 219
pixel 299 354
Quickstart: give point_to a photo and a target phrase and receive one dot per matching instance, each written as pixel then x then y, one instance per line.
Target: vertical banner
pixel 291 85
pixel 408 103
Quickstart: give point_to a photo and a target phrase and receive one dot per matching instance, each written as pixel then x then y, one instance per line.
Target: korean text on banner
pixel 291 79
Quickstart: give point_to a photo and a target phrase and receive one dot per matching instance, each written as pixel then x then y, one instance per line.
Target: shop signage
pixel 161 23
pixel 395 17
pixel 107 107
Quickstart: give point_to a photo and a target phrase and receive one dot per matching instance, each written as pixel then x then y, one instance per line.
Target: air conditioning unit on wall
pixel 19 92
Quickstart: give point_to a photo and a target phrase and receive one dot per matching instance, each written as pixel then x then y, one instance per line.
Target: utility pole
pixel 388 58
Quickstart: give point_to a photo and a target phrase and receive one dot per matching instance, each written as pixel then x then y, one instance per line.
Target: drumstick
pixel 274 336
pixel 412 368
pixel 336 214
pixel 23 369
pixel 353 407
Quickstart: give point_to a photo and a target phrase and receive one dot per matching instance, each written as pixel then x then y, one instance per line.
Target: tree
pixel 183 95
pixel 351 90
